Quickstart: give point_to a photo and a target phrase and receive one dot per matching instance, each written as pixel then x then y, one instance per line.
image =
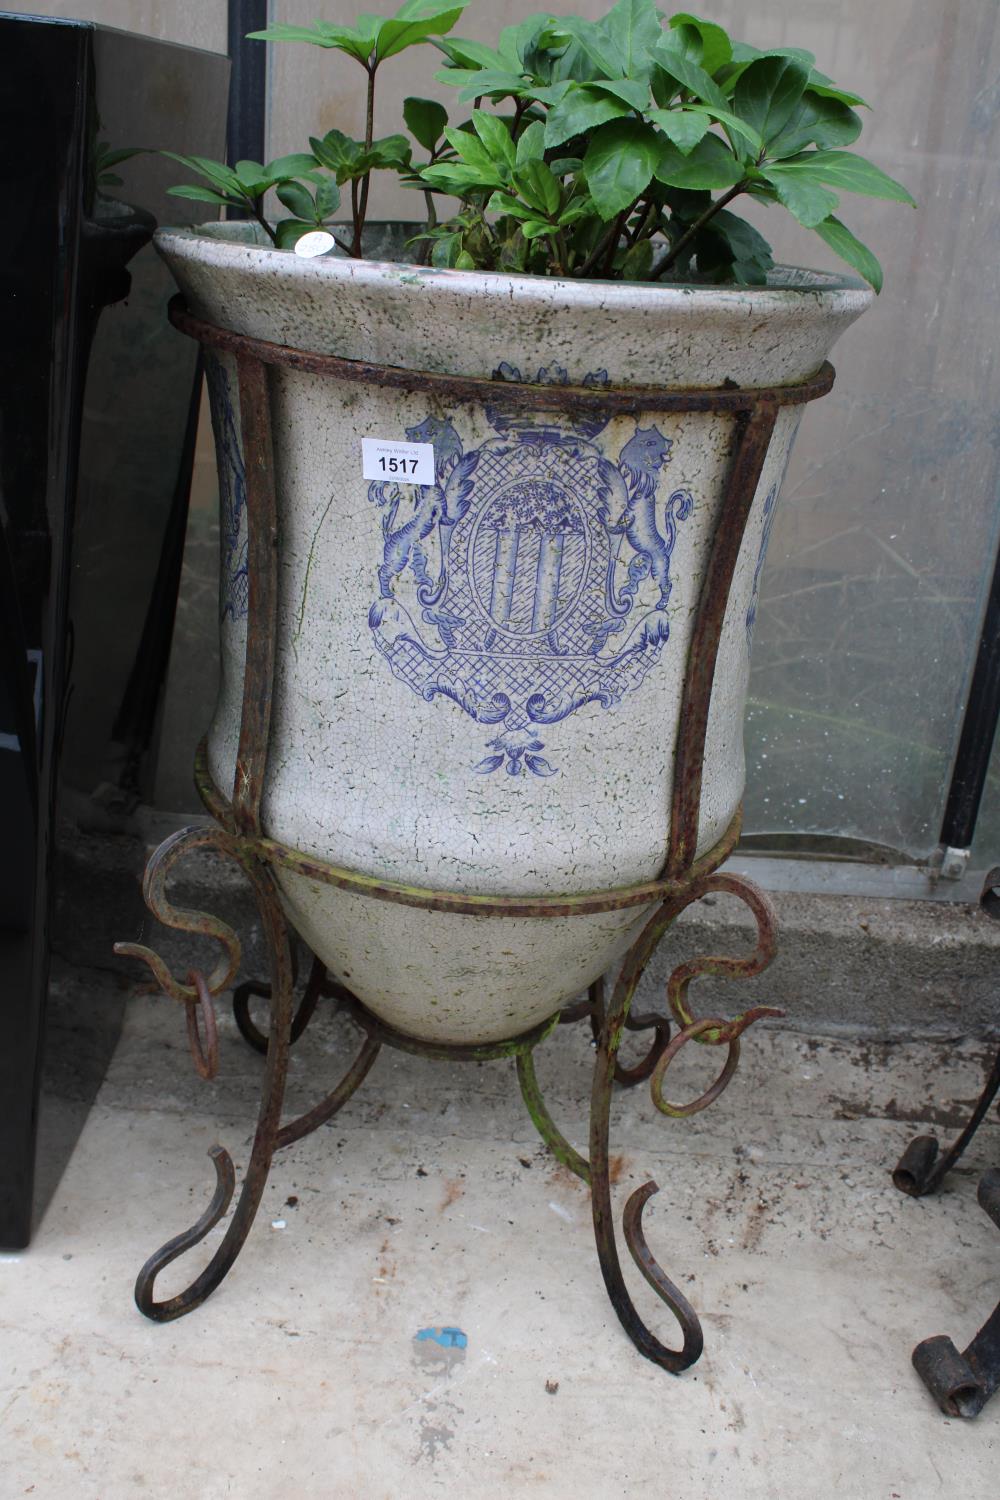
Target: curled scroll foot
pixel 675 1299
pixel 648 1345
pixel 176 1307
pixel 197 997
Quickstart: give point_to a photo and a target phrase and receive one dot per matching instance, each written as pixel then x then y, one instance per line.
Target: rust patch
pixel 617 1168
pixel 453 1190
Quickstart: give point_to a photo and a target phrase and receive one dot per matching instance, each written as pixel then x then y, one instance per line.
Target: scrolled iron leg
pixel 961 1384
pixel 712 1031
pixel 674 1360
pixel 266 1137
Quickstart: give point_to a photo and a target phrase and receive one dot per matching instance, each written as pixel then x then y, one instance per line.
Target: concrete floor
pixel 429 1202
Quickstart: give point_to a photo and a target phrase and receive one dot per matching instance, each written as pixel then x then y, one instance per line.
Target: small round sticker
pixel 316 242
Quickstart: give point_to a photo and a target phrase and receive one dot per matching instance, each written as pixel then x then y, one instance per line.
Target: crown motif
pixel 542 421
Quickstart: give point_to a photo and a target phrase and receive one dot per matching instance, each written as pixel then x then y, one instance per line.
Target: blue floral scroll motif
pixel 234 587
pixel 532 577
pixel 769 509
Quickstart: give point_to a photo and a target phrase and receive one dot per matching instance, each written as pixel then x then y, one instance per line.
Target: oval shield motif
pixel 533 576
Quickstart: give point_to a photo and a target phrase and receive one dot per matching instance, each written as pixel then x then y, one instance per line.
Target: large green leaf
pixel 298 199
pixel 633 27
pixel 849 248
pixel 415 21
pixel 466 54
pixel 689 75
pixel 851 174
pixel 734 125
pixel 768 93
pixel 709 166
pixel 288 232
pixel 216 172
pixel 343 38
pixel 338 153
pixel 495 136
pixel 253 177
pixel 471 149
pixel 327 197
pixel 746 242
pixel 744 55
pixel 581 109
pixel 458 178
pixel 570 62
pixel 729 249
pixel 200 195
pixel 803 195
pixel 683 127
pixel 632 91
pixel 531 143
pixel 486 84
pixel 391 151
pixel 537 186
pixel 817 120
pixel 527 40
pixel 619 164
pixel 820 84
pixel 595 44
pixel 425 120
pixel 715 49
pixel 290 166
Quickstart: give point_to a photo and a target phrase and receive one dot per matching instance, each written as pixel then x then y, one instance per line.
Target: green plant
pixel 612 148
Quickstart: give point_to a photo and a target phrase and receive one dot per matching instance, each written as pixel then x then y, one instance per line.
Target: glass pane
pixel 883 545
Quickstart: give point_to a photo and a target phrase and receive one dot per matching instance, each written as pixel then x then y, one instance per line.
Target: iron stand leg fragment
pixel 961 1384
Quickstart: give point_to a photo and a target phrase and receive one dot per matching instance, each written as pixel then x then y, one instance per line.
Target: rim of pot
pixel 240 238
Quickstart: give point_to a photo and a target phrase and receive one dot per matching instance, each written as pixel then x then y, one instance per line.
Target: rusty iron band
pixel 620 400
pixel 461 903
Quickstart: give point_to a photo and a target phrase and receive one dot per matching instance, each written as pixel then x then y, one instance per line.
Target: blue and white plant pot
pixel 478 678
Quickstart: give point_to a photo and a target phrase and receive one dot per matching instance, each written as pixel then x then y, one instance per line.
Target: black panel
pixel 96 397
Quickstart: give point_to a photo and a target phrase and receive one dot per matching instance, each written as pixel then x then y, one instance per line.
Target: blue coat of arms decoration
pixel 532 577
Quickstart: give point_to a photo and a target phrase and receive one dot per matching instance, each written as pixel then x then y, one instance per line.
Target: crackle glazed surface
pixel 478 681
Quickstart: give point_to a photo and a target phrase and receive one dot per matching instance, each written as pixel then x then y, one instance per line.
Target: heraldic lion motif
pixel 532 577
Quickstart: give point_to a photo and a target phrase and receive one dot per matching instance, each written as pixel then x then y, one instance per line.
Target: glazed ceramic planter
pixel 478 679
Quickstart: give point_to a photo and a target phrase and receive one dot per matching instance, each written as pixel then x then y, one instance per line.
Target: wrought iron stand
pixel 237 833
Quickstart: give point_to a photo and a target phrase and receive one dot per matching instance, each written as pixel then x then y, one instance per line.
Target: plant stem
pixel 562 251
pixel 647 224
pixel 355 220
pixel 614 237
pixel 366 179
pixel 258 213
pixel 695 228
pixel 597 252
